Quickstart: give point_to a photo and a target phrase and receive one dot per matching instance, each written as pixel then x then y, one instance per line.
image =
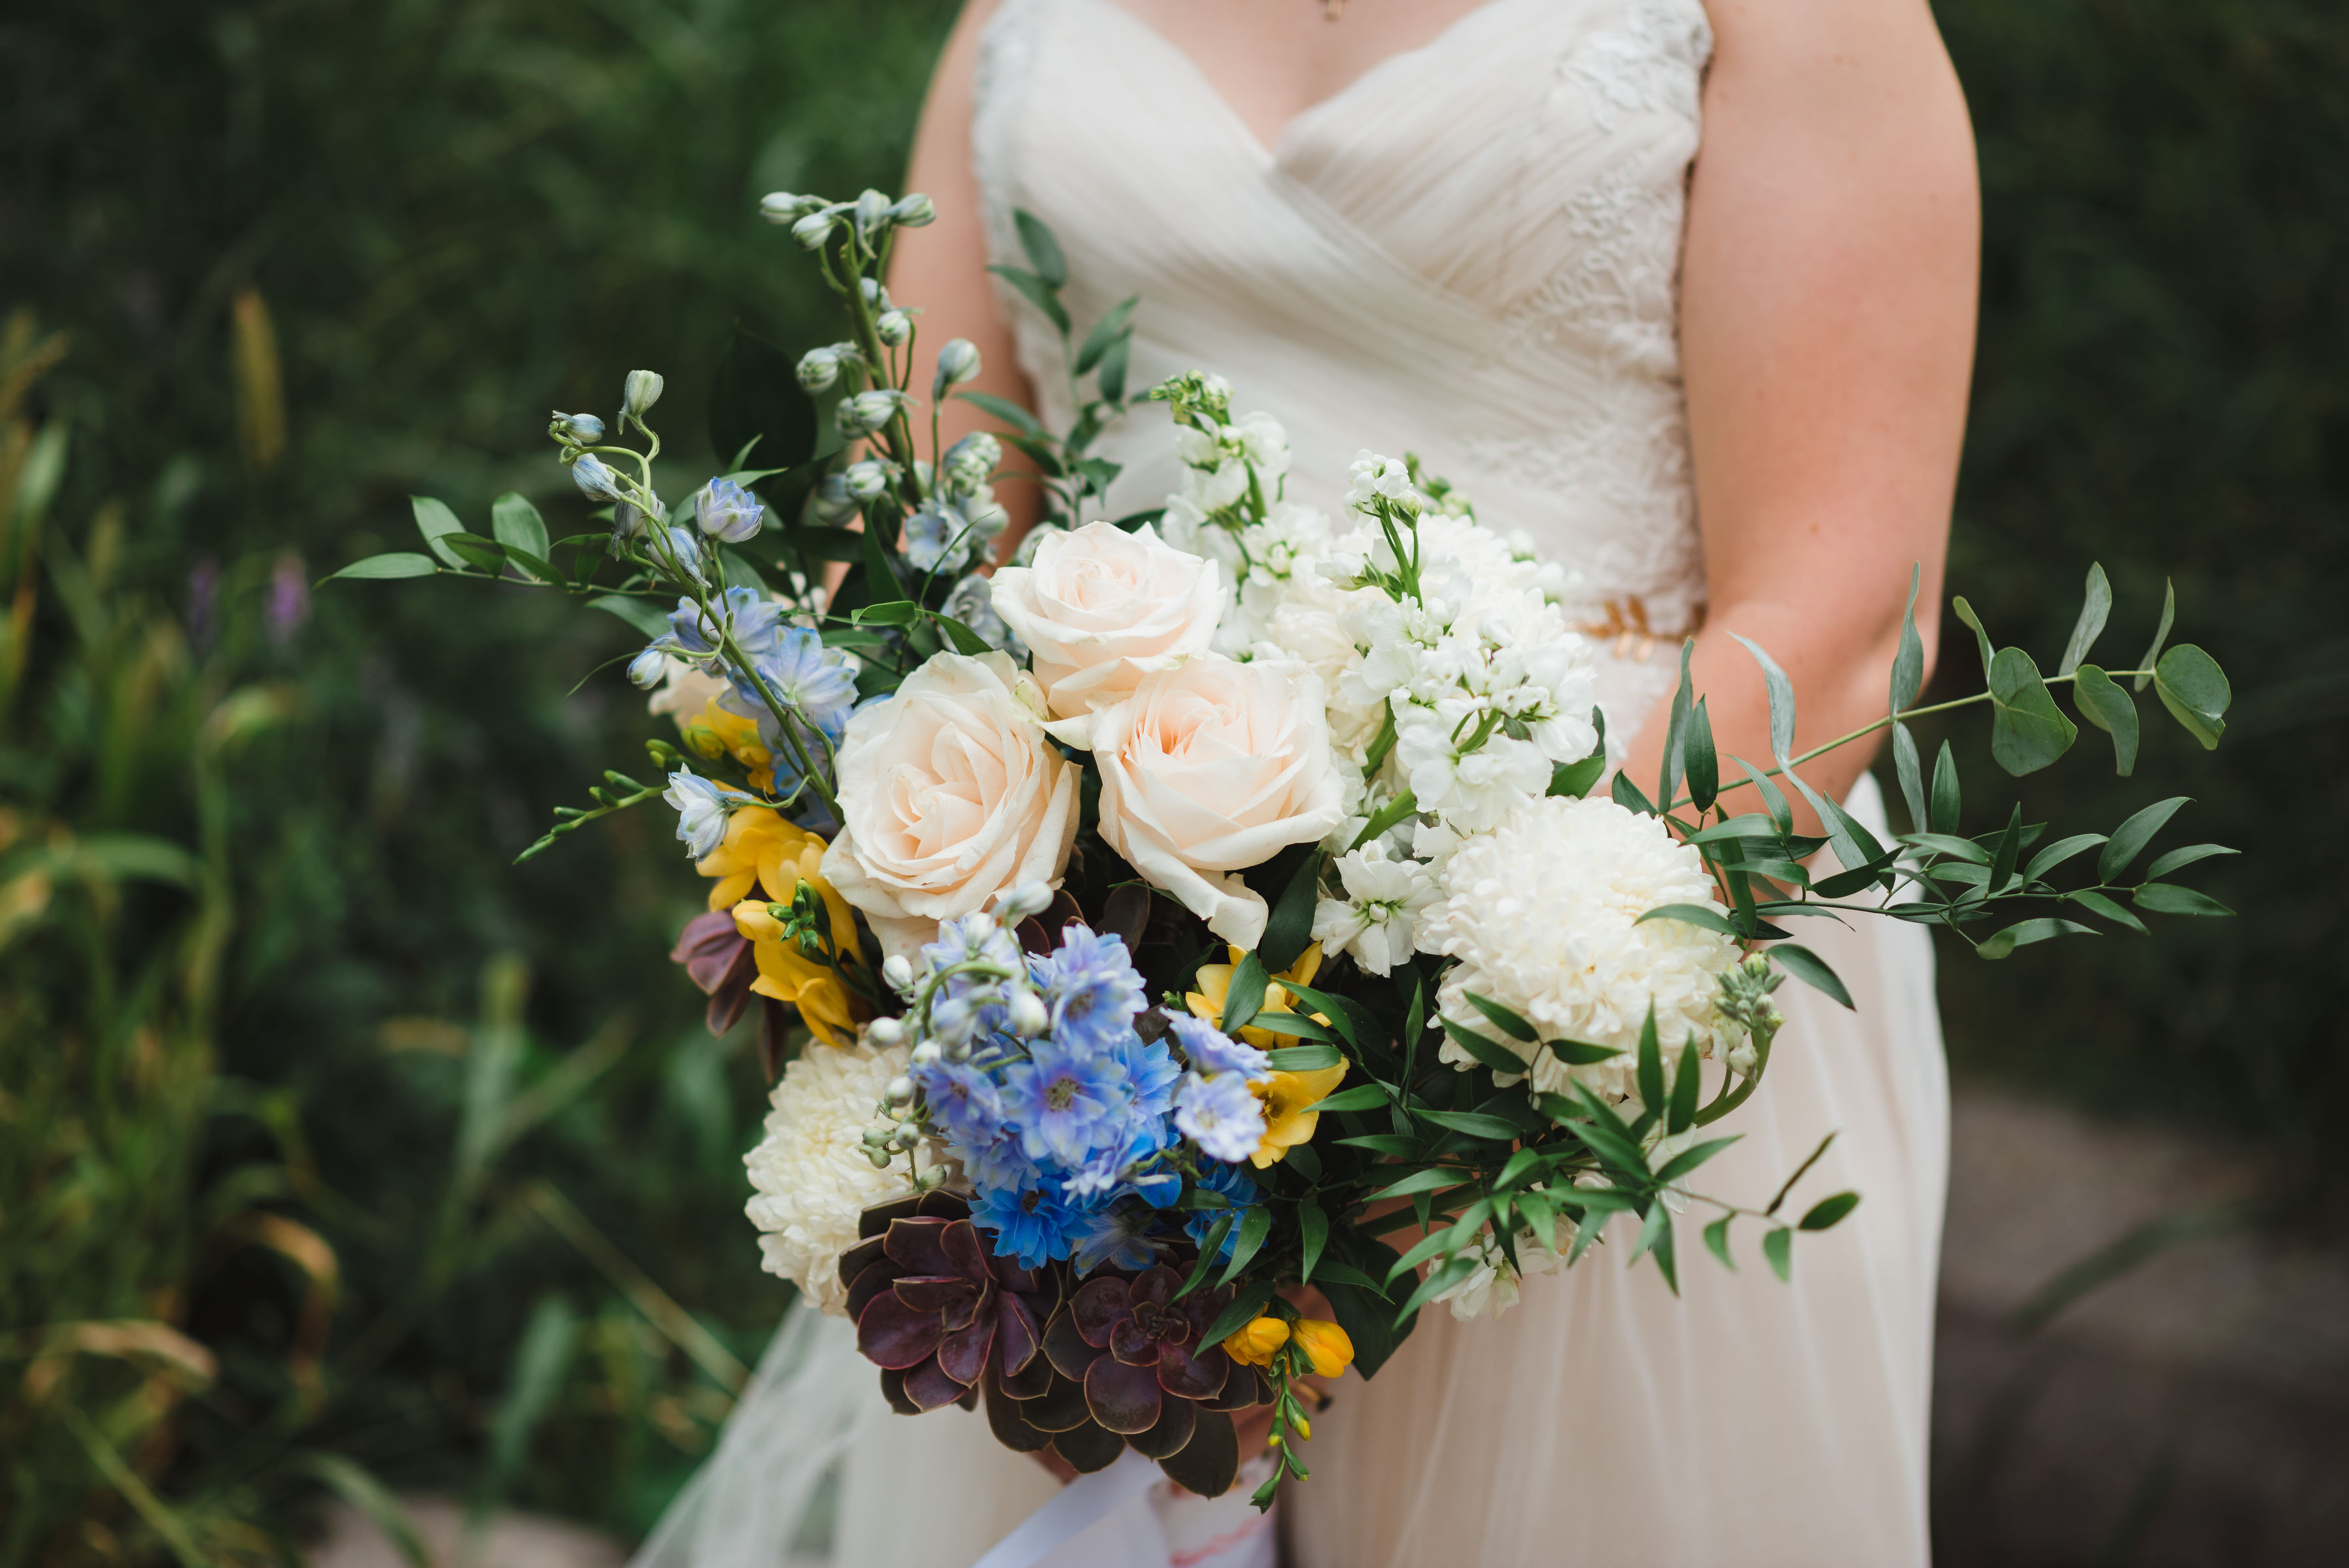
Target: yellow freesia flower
pixel 715 733
pixel 761 852
pixel 1215 984
pixel 1325 1345
pixel 1252 1344
pixel 1286 1122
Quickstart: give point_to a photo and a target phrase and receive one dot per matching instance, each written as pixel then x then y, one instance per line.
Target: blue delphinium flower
pixel 701 806
pixel 1067 1104
pixel 1117 1236
pixel 1153 1071
pixel 1220 1115
pixel 1211 1050
pixel 965 1100
pixel 1032 1225
pixel 1228 1180
pixel 594 477
pixel 805 675
pixel 727 511
pixel 937 537
pixel 1089 987
pixel 1129 1165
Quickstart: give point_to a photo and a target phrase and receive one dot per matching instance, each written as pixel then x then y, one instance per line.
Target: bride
pixel 1685 292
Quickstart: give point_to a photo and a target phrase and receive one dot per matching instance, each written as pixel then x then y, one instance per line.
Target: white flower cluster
pixel 813 1176
pixel 1491 1286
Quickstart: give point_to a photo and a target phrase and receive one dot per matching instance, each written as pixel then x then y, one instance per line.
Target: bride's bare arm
pixel 942 269
pixel 1826 328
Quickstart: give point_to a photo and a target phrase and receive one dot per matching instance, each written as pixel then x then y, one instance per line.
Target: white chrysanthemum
pixel 1491 1287
pixel 1541 913
pixel 813 1178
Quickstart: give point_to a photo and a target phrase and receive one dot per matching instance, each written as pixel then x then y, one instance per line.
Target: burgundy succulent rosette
pixel 1115 1362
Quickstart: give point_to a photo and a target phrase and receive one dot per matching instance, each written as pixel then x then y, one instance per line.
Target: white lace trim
pixel 1653 64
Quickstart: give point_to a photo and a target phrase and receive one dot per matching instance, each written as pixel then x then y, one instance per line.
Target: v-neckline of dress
pixel 1269 155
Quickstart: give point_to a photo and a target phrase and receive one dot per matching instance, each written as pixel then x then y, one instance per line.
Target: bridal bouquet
pixel 1217 908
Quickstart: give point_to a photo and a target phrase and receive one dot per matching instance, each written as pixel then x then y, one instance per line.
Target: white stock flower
pixel 1377 918
pixel 1491 1286
pixel 1473 790
pixel 812 1179
pixel 1211 768
pixel 1100 608
pixel 1541 914
pixel 951 793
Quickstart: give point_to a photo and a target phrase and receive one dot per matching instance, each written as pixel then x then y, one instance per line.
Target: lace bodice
pixel 1470 253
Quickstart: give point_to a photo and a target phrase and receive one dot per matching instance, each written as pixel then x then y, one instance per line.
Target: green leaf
pixel 1256 1224
pixel 642 613
pixel 1910 771
pixel 539 1367
pixel 2010 849
pixel 393 563
pixel 1909 660
pixel 1692 915
pixel 1104 333
pixel 1432 1179
pixel 1829 1212
pixel 2194 689
pixel 1703 764
pixel 2022 934
pixel 1209 1250
pixel 1289 929
pixel 2097 607
pixel 1508 1023
pixel 1686 1080
pixel 2103 703
pixel 1652 1064
pixel 1676 729
pixel 1360 1097
pixel 1245 996
pixel 434 521
pixel 2028 730
pixel 1038 293
pixel 1695 1155
pixel 2160 633
pixel 891 612
pixel 1774 799
pixel 1475 1124
pixel 1009 413
pixel 1436 1285
pixel 1626 795
pixel 1810 969
pixel 1113 362
pixel 1393 1146
pixel 1042 246
pixel 1574 779
pixel 2130 839
pixel 1581 1052
pixel 1241 1310
pixel 2057 852
pixel 1778 1246
pixel 2179 860
pixel 1716 1236
pixel 2169 898
pixel 2097 903
pixel 965 640
pixel 1782 701
pixel 1301 1058
pixel 482 555
pixel 1945 791
pixel 1296 1025
pixel 1313 1229
pixel 1491 1053
pixel 516 522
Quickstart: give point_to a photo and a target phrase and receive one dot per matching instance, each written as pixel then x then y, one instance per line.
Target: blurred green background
pixel 336 1155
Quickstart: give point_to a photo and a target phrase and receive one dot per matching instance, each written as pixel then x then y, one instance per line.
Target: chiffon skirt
pixel 1601 1423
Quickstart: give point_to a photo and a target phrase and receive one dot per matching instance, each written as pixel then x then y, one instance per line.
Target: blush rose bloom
pixel 950 793
pixel 1100 608
pixel 1211 768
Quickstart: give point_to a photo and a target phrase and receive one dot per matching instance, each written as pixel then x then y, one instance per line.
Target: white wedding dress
pixel 1471 253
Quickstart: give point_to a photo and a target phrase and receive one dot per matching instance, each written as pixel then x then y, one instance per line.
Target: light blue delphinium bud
pixel 894 328
pixel 935 538
pixel 701 806
pixel 871 214
pixel 727 511
pixel 595 479
pixel 971 462
pixel 814 230
pixel 648 668
pixel 958 363
pixel 972 602
pixel 627 522
pixel 868 481
pixel 819 368
pixel 784 207
pixel 874 294
pixel 831 504
pixel 687 550
pixel 640 392
pixel 580 429
pixel 914 210
pixel 868 411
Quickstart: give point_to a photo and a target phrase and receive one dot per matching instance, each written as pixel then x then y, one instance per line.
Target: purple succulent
pixel 939 1311
pixel 719 960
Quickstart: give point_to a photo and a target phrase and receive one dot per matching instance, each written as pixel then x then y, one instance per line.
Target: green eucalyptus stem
pixel 1885 724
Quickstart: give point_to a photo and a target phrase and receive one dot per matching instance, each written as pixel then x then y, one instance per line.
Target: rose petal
pixel 1099 1305
pixel 1122 1399
pixel 891 1334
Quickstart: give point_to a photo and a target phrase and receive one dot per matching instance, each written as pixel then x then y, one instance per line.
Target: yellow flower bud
pixel 1304 1428
pixel 1253 1345
pixel 1325 1345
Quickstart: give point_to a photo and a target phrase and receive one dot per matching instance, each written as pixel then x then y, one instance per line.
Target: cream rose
pixel 1100 608
pixel 1210 768
pixel 951 794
